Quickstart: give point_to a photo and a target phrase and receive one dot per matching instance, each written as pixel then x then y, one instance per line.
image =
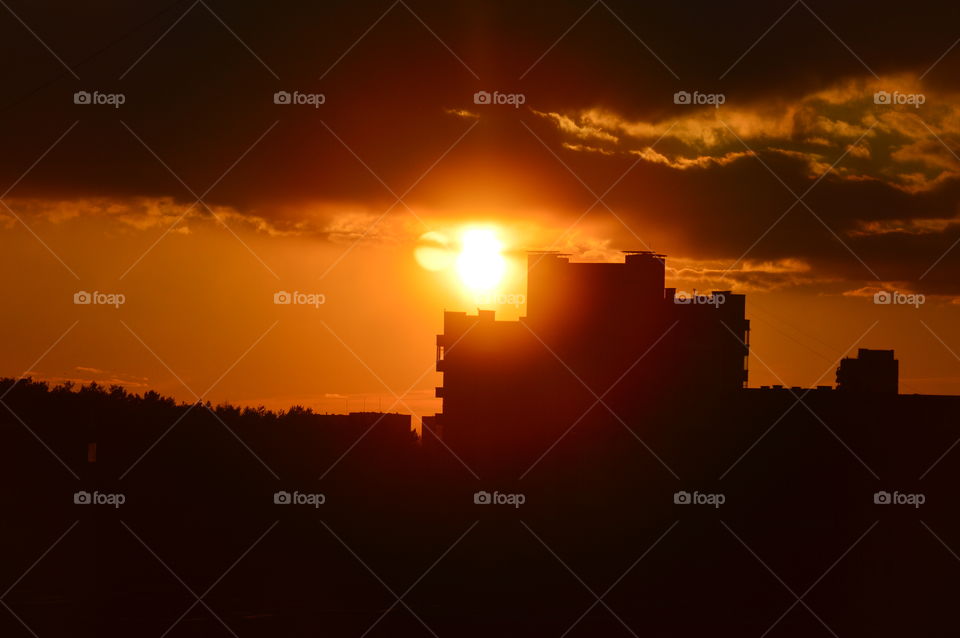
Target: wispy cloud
pixel 903 145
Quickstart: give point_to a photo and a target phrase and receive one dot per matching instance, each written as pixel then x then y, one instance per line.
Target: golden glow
pixel 433 251
pixel 480 264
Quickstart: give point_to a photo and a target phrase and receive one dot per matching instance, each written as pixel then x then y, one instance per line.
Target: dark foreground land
pixel 599 546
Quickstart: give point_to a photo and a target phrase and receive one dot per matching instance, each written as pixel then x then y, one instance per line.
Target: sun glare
pixel 480 264
pixel 433 251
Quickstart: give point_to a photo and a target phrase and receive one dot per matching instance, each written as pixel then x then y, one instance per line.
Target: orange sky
pixel 202 298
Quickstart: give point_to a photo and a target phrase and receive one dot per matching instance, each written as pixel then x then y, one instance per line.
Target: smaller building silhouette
pixel 871 372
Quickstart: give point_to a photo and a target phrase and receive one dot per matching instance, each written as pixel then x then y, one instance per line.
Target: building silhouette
pixel 606 348
pixel 872 371
pixel 604 340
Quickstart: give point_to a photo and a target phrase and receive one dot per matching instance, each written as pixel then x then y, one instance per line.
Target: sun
pixel 480 264
pixel 477 258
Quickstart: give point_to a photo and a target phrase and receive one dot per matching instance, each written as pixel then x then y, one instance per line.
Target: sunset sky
pixel 333 199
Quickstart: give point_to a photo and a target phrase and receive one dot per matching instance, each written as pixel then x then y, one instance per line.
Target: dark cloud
pixel 394 117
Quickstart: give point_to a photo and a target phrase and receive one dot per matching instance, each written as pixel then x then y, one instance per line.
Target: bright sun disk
pixel 480 264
